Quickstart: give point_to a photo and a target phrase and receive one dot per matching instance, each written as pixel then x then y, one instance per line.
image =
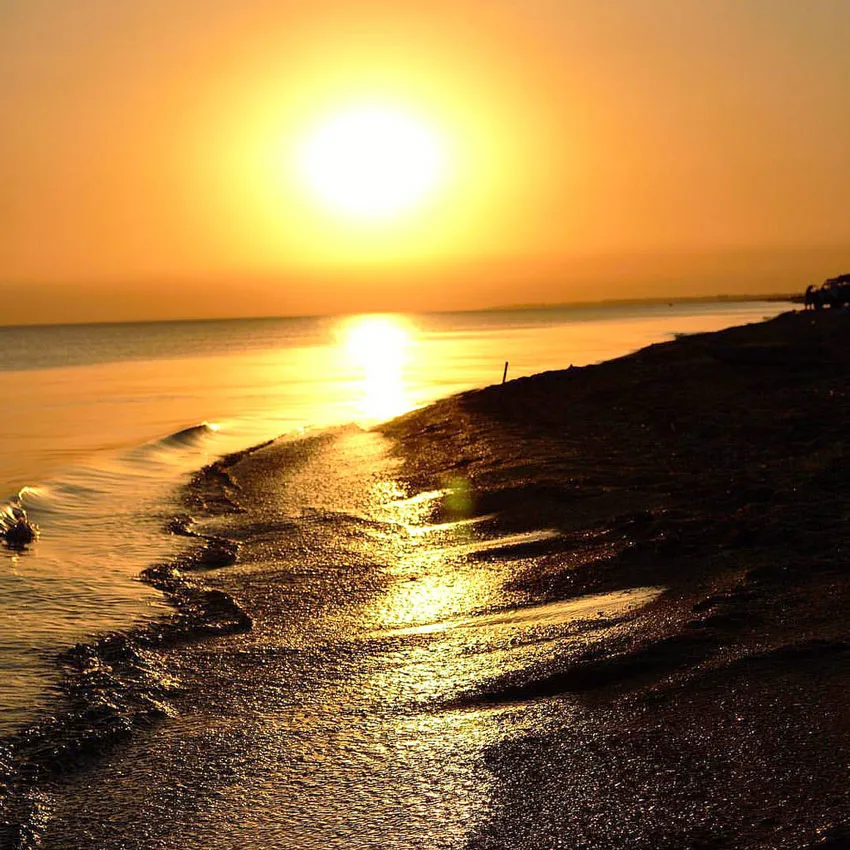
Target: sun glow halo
pixel 371 162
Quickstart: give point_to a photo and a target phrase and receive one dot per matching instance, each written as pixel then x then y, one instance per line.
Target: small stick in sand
pixel 505 373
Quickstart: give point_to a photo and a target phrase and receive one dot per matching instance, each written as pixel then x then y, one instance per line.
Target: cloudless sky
pixel 616 148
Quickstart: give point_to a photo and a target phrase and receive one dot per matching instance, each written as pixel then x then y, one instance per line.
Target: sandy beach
pixel 596 608
pixel 715 467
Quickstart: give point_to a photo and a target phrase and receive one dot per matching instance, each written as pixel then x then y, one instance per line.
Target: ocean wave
pixel 191 439
pixel 188 436
pixel 115 685
pixel 57 497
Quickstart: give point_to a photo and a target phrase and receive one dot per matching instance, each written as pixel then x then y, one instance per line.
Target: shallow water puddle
pixel 471 544
pixel 425 497
pixel 602 605
pixel 421 530
pixel 508 541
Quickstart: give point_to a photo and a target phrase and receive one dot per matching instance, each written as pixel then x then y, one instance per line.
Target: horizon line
pixel 506 308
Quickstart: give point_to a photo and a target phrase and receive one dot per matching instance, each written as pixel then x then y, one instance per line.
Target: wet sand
pixel 717 467
pixel 596 608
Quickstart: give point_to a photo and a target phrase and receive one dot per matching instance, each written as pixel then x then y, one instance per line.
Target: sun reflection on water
pixel 430 556
pixel 378 348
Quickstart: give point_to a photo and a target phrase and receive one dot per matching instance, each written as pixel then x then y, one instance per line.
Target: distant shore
pixel 794 297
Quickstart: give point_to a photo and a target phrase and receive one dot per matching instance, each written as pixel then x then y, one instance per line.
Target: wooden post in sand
pixel 505 373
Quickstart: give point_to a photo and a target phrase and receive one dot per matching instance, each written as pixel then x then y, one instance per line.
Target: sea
pixel 102 423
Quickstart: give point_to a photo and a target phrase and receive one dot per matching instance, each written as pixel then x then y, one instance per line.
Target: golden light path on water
pixel 378 348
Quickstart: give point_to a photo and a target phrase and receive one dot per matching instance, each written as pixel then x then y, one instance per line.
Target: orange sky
pixel 618 148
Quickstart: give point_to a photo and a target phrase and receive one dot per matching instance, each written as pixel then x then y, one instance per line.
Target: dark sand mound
pixel 717 466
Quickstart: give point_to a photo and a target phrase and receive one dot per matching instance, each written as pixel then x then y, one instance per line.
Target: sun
pixel 371 162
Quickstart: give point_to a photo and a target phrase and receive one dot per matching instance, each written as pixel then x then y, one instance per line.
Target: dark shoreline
pixel 715 465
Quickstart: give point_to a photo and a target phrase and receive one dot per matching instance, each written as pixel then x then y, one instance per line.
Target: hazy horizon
pixel 758 273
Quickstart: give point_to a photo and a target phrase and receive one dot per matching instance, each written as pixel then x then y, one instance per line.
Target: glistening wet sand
pixel 424 669
pixel 717 467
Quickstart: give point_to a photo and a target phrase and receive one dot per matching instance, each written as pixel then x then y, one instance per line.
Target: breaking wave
pixel 114 686
pixel 17 530
pixel 192 435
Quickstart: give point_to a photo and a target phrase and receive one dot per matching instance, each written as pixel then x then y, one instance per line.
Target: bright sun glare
pixel 378 348
pixel 371 162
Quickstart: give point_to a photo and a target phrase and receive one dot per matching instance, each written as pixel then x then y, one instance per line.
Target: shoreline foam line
pixel 115 684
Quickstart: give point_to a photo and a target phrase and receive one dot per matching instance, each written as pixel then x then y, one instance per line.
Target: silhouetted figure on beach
pixel 812 299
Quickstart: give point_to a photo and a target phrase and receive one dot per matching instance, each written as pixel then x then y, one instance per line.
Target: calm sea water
pixel 102 422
